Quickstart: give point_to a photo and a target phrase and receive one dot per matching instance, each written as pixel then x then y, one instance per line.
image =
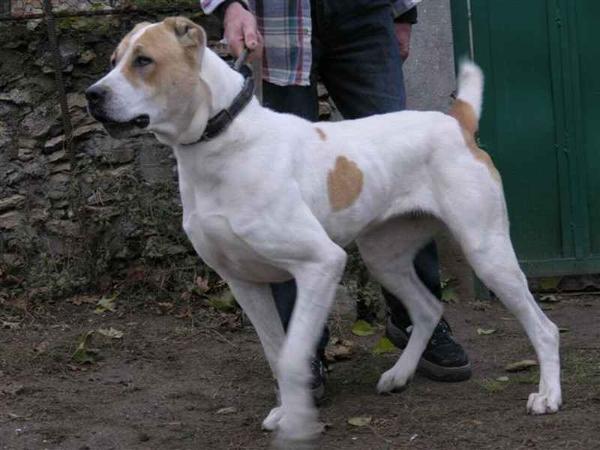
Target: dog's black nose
pixel 95 95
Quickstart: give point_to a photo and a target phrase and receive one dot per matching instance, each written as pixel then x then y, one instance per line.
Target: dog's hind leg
pixel 478 220
pixel 495 263
pixel 388 252
pixel 257 302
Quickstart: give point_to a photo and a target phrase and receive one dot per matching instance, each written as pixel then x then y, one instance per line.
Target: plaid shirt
pixel 286 28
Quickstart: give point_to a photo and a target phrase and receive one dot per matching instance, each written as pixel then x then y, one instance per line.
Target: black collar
pixel 219 123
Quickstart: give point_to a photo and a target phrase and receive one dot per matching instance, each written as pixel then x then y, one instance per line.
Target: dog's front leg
pixel 257 302
pixel 317 280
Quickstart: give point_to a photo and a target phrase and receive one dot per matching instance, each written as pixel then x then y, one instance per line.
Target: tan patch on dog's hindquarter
pixel 464 114
pixel 344 183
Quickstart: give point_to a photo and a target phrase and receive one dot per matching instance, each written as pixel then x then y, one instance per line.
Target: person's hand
pixel 241 30
pixel 402 31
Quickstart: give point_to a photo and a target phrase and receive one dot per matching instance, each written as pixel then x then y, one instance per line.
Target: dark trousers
pixel 356 55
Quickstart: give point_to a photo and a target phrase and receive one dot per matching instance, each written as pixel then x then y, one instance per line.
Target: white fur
pixel 470 85
pixel 256 208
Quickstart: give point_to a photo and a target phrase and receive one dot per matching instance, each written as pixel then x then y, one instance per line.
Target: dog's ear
pixel 189 33
pixel 138 27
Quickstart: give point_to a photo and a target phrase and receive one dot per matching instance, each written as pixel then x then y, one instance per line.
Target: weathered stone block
pixel 11 220
pixel 63 167
pixel 13 202
pixel 63 228
pixel 57 156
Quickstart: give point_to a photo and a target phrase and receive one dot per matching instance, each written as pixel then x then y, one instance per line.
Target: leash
pixel 221 121
pixel 241 60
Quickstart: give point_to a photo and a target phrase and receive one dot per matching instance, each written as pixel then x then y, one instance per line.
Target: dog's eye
pixel 142 61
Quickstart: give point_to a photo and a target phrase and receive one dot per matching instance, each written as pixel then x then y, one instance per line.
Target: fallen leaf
pixel 362 328
pixel 202 285
pixel 223 302
pixel 339 349
pixel 83 354
pixel 81 299
pixel 359 421
pixel 520 366
pixel 106 304
pixel 42 347
pixel 548 299
pixel 185 314
pixel 549 283
pixel 111 332
pixel 384 345
pixel 228 410
pixel 503 379
pixel 165 307
pixel 485 331
pixel 449 294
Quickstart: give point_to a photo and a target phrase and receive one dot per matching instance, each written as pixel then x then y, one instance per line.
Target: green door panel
pixel 588 39
pixel 541 122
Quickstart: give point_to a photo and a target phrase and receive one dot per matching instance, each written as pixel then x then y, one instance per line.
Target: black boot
pixel 444 359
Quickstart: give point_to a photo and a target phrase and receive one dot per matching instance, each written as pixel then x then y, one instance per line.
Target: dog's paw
pixel 271 422
pixel 298 437
pixel 393 381
pixel 543 403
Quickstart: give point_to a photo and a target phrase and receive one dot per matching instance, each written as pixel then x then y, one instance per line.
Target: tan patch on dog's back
pixel 321 134
pixel 464 114
pixel 344 183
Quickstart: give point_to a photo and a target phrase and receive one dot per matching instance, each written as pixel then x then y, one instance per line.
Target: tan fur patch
pixel 122 47
pixel 344 183
pixel 321 134
pixel 464 114
pixel 174 56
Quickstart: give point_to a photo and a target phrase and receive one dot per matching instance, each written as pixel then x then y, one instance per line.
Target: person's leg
pixel 359 58
pixel 361 67
pixel 285 298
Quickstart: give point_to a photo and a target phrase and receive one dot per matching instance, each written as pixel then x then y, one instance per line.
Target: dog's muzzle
pixel 96 97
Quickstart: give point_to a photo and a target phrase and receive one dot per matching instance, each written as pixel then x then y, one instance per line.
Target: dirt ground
pixel 165 382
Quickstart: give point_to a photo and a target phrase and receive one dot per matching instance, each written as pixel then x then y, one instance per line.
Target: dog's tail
pixel 470 92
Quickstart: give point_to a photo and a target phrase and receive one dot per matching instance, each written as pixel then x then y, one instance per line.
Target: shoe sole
pixel 430 370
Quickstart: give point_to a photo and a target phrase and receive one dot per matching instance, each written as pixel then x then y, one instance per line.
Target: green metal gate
pixel 541 122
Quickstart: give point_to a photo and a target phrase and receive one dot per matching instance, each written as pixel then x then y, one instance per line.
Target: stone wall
pixel 107 214
pixel 20 8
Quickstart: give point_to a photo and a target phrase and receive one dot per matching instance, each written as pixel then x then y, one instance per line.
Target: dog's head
pixel 154 81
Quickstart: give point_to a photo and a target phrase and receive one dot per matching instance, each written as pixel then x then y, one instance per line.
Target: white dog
pixel 272 196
